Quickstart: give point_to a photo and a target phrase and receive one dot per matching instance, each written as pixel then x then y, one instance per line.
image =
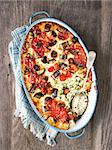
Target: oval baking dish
pixel 83 121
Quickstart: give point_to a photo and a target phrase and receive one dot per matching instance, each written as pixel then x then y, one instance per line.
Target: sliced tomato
pixel 43 90
pixel 56 66
pixel 73 46
pixel 34 48
pixel 40 51
pixel 35 40
pixel 37 85
pixel 63 36
pixel 51 69
pixel 49 90
pixel 53 106
pixel 50 37
pixel 63 114
pixel 66 91
pixel 38 31
pixel 75 115
pixel 58 112
pixel 43 34
pixel 32 78
pixel 71 117
pixel 26 61
pixel 68 74
pixel 73 67
pixel 62 77
pixel 80 59
pixel 31 63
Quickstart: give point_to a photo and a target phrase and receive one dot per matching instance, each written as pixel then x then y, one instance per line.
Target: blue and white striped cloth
pixel 23 108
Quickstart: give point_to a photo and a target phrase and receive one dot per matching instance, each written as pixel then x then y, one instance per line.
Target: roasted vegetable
pixel 53 54
pixel 48 98
pixel 55 92
pixel 32 88
pixel 71 61
pixel 47 27
pixel 66 91
pixel 63 65
pixel 37 67
pixel 48 85
pixel 65 45
pixel 52 43
pixel 61 29
pixel 40 72
pixel 38 95
pixel 75 39
pixel 64 56
pixel 51 60
pixel 38 31
pixel 56 74
pixel 51 69
pixel 54 34
pixel 46 78
pixel 72 51
pixel 27 70
pixel 38 44
pixel 44 59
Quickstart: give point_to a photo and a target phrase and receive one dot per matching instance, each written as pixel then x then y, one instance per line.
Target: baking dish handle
pixel 34 14
pixel 71 137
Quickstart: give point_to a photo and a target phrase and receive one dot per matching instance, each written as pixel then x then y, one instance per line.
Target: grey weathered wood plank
pixel 93 22
pixel 106 85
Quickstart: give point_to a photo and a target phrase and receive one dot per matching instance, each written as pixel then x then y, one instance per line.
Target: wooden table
pixel 93 22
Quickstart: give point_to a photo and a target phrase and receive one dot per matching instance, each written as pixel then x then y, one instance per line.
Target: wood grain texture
pixel 93 22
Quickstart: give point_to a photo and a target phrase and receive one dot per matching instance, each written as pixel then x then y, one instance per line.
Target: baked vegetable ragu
pixel 53 67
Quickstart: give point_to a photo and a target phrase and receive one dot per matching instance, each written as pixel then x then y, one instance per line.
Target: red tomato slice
pixel 63 36
pixel 73 67
pixel 49 90
pixel 51 69
pixel 77 59
pixel 56 66
pixel 31 63
pixel 71 116
pixel 32 78
pixel 62 77
pixel 34 48
pixel 68 74
pixel 43 34
pixel 57 111
pixel 40 51
pixel 35 40
pixel 43 90
pixel 73 47
pixel 25 61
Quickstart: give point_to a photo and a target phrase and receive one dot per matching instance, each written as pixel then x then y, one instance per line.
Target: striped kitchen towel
pixel 23 109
